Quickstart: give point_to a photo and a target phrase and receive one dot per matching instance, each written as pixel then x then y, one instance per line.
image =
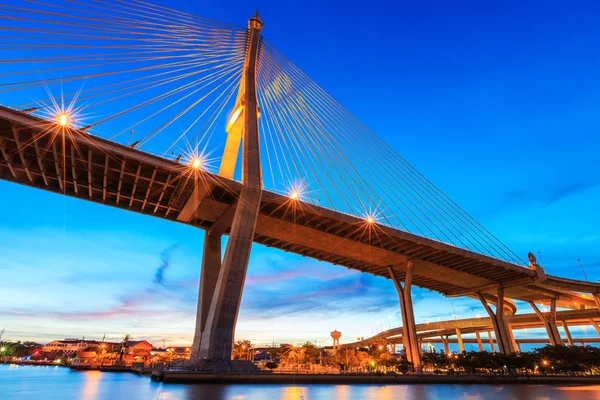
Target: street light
pixel 197 163
pixel 63 120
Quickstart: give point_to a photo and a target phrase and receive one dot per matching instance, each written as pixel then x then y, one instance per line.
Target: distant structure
pixel 335 335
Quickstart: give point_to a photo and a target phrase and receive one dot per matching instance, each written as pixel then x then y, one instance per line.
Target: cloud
pixel 320 274
pixel 549 193
pixel 165 257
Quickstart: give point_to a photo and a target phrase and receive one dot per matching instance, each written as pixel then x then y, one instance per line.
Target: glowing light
pixel 63 120
pixel 370 219
pixel 380 347
pixel 234 117
pixel 187 349
pixel 197 163
pixel 295 195
pixel 3 349
pixel 545 363
pixel 57 361
pixel 372 363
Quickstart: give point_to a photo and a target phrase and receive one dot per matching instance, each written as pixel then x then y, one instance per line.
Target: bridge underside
pixel 39 154
pixel 90 168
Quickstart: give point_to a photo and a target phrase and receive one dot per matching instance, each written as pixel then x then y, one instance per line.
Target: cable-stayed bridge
pixel 157 111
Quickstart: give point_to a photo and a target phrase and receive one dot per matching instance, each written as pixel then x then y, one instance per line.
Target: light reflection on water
pixel 61 383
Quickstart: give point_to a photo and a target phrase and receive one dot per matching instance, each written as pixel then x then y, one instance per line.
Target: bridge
pixel 319 194
pixel 452 331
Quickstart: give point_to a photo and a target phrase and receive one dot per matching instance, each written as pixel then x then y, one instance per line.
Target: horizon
pixel 505 111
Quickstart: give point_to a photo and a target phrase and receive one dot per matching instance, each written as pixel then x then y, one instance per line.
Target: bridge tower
pixel 222 282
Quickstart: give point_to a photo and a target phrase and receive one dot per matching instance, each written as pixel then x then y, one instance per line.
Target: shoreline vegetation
pixel 309 364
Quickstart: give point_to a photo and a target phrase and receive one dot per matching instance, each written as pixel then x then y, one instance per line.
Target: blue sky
pixel 497 104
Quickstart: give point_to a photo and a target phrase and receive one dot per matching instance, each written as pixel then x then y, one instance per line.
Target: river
pixel 53 382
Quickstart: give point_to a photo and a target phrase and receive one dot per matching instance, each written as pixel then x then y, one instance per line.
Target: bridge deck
pixel 435 329
pixel 94 169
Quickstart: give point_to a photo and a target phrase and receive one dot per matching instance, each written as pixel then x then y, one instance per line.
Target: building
pixel 71 346
pixel 137 350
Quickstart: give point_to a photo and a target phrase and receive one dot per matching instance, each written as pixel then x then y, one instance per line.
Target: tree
pixel 292 356
pixel 241 349
pixel 123 346
pixel 309 353
pixel 18 349
pixel 271 365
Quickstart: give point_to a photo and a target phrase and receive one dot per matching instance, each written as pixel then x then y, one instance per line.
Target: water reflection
pixel 61 383
pixel 91 380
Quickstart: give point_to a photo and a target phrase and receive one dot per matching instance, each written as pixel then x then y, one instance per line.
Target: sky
pixel 496 103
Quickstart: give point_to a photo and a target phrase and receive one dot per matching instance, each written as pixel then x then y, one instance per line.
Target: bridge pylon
pixel 222 282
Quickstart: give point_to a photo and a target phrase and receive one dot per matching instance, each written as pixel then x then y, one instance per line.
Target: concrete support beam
pixel 409 337
pixel 218 335
pixel 568 333
pixel 499 324
pixel 549 321
pixel 461 345
pixel 596 300
pixel 211 266
pixel 446 347
pixel 193 202
pixel 479 343
pixel 512 337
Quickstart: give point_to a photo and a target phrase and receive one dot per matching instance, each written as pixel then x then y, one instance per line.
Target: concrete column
pixel 211 266
pixel 502 325
pixel 218 336
pixel 409 331
pixel 499 324
pixel 512 337
pixel 446 347
pixel 461 345
pixel 568 333
pixel 479 343
pixel 549 321
pixel 491 341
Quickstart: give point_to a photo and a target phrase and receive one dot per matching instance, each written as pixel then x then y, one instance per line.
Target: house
pixel 135 350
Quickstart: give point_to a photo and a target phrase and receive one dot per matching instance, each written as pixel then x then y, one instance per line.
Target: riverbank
pixel 45 382
pixel 278 379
